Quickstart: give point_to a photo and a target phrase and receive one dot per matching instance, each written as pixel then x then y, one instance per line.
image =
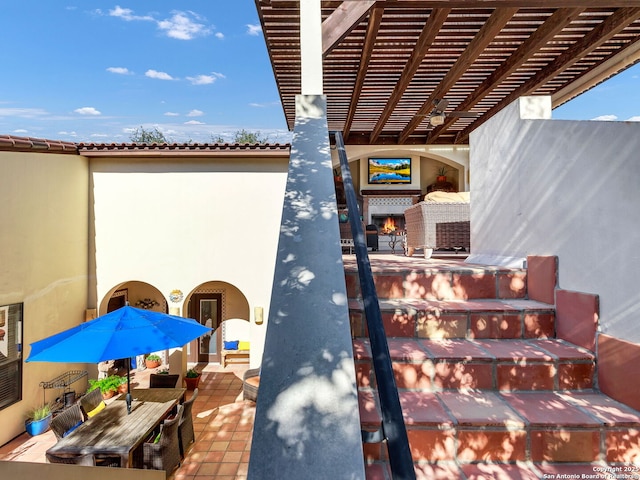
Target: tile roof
pixel 14 143
pixel 10 142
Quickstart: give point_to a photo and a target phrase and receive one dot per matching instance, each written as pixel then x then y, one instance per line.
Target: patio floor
pixel 223 423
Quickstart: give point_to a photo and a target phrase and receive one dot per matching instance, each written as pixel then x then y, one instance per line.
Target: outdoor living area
pixel 222 421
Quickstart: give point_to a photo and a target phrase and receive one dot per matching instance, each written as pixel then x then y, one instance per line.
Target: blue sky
pixel 93 71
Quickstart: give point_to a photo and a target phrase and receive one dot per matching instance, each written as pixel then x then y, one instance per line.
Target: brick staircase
pixel 487 389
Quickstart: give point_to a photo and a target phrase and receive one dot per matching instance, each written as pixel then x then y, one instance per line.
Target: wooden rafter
pixel 489 30
pixel 429 32
pixel 549 29
pixel 370 38
pixel 598 36
pixel 343 19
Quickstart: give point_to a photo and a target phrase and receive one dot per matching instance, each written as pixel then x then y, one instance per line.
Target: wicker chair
pixel 163 380
pixel 69 418
pixel 87 459
pixel 185 426
pixel 164 455
pixel 250 384
pixel 432 225
pixel 90 401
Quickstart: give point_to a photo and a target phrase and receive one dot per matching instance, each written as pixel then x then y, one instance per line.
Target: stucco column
pixel 311 47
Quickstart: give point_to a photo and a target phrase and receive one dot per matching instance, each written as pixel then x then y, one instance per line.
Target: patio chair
pixel 163 380
pixel 250 384
pixel 87 459
pixel 185 426
pixel 67 421
pixel 164 455
pixel 92 402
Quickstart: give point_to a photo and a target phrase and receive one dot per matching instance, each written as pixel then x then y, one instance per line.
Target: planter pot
pixel 36 427
pixel 152 363
pixel 441 178
pixel 192 383
pixel 109 394
pixel 123 388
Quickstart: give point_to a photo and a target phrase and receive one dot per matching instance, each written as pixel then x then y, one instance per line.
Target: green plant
pixel 192 373
pixel 38 413
pixel 153 358
pixel 107 384
pixel 442 171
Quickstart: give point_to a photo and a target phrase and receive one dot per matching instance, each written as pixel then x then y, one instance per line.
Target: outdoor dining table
pixel 113 432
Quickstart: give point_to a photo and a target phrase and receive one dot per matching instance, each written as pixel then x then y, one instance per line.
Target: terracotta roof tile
pixel 10 142
pixel 13 143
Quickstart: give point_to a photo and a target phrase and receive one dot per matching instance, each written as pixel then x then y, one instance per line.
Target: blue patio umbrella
pixel 123 333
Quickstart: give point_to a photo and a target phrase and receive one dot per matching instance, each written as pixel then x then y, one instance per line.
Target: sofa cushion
pixel 231 345
pixel 447 197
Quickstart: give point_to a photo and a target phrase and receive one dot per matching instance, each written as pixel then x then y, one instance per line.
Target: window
pixel 10 354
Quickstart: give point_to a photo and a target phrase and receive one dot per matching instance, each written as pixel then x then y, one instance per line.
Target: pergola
pixel 397 71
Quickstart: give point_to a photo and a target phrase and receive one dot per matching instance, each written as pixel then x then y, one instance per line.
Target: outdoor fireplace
pixel 388 223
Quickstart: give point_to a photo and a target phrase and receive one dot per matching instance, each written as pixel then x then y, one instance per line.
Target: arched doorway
pixel 210 304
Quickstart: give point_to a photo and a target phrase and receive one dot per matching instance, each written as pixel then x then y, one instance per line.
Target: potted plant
pixel 192 379
pixel 108 386
pixel 152 361
pixel 38 420
pixel 442 174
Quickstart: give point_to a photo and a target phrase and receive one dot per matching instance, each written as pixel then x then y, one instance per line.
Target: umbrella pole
pixel 128 385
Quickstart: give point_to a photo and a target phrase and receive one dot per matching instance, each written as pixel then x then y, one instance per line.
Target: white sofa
pixel 440 221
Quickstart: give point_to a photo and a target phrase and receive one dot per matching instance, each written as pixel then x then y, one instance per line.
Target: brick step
pixel 411 277
pixel 473 319
pixel 504 365
pixel 461 428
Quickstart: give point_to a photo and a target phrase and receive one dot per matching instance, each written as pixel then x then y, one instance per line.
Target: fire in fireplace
pixel 388 223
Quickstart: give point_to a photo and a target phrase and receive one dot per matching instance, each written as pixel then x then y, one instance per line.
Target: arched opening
pixel 212 303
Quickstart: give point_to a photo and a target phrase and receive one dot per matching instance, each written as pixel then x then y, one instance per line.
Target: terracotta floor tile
pixel 548 409
pixel 423 408
pixel 481 408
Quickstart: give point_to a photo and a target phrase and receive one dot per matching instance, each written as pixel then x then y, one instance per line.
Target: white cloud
pixel 22 112
pixel 87 111
pixel 127 14
pixel 20 130
pixel 158 75
pixel 69 134
pixel 219 35
pixel 99 135
pixel 606 118
pixel 205 79
pixel 253 29
pixel 635 118
pixel 195 113
pixel 119 70
pixel 263 105
pixel 172 114
pixel 184 26
pixel 194 122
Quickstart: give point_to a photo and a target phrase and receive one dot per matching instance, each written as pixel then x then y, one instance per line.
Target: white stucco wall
pixel 565 188
pixel 178 224
pixel 43 253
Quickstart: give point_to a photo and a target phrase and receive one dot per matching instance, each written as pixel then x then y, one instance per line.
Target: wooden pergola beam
pixel 494 24
pixel 590 42
pixel 340 23
pixel 549 29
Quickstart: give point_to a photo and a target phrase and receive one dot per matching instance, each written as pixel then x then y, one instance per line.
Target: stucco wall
pixel 43 253
pixel 178 224
pixel 565 188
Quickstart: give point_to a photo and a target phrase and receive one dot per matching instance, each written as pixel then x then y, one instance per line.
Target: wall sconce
pixel 258 315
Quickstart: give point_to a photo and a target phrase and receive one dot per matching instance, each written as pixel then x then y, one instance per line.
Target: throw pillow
pixel 231 345
pixel 72 428
pixel 96 410
pixel 243 346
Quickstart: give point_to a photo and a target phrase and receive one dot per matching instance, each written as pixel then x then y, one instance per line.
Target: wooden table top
pixel 113 431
